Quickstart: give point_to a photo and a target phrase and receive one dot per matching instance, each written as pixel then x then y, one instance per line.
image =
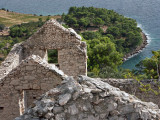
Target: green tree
pixel 72 10
pixel 150 67
pixel 102 52
pixel 2 26
pixel 40 22
pixel 16 32
pixel 114 31
pixel 156 59
pixel 98 21
pixel 91 35
pixel 83 22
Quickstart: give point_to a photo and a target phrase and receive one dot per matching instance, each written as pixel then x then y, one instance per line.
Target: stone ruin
pixel 26 74
pixel 37 90
pixel 89 99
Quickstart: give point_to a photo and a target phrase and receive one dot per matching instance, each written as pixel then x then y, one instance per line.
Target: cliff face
pixel 89 99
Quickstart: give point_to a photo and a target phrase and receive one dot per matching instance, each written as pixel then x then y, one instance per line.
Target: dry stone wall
pixel 25 83
pixel 133 87
pixel 89 99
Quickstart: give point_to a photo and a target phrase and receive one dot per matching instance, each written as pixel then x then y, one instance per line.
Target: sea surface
pixel 146 12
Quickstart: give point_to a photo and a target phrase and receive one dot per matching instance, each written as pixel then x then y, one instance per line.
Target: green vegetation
pixel 25 30
pixel 153 87
pixel 102 53
pixel 149 68
pixel 2 26
pixel 52 56
pixel 109 37
pixel 18 33
pixel 22 26
pixel 9 18
pixel 123 31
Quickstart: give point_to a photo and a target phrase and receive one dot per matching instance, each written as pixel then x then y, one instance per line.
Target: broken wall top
pixel 52 35
pixel 90 99
pixel 28 65
pixel 12 60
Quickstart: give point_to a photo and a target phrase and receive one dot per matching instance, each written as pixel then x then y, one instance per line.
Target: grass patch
pixel 13 18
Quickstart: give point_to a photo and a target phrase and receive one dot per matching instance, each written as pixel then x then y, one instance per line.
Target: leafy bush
pixel 18 33
pixel 150 67
pixel 102 52
pixel 2 26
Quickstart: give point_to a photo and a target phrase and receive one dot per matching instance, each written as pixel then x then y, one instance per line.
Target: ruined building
pixel 89 99
pixel 37 90
pixel 25 74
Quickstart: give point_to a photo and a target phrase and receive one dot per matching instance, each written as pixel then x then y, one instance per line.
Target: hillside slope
pixel 13 18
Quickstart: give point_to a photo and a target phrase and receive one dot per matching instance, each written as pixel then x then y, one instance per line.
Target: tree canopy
pixel 106 47
pixel 150 67
pixel 120 27
pixel 2 26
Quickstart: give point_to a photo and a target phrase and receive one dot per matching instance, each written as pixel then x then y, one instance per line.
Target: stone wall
pixel 24 76
pixel 72 62
pixel 133 87
pixel 13 59
pixel 72 55
pixel 89 99
pixel 25 83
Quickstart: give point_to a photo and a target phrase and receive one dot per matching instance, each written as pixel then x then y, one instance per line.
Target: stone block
pixel 29 67
pixel 26 86
pixel 44 86
pixel 35 86
pixel 29 77
pixel 15 82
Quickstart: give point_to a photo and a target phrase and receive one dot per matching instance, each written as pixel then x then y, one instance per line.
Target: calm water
pixel 146 12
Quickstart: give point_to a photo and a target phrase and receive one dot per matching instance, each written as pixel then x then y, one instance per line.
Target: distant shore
pixel 138 49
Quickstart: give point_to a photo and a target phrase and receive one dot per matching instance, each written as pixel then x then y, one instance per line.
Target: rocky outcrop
pixel 89 99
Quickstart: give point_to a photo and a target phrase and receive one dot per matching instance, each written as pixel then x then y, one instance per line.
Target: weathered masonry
pixel 26 83
pixel 25 74
pixel 72 57
pixel 89 99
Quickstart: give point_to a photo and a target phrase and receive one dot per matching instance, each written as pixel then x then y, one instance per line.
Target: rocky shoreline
pixel 138 49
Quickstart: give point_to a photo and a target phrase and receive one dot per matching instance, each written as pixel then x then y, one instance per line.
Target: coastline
pixel 125 57
pixel 138 49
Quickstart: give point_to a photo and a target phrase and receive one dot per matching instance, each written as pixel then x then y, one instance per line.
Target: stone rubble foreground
pixel 89 99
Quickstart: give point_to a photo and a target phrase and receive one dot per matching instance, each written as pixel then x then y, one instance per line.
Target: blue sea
pixel 146 12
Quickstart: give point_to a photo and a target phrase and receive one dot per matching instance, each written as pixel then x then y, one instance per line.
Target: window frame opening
pixel 52 56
